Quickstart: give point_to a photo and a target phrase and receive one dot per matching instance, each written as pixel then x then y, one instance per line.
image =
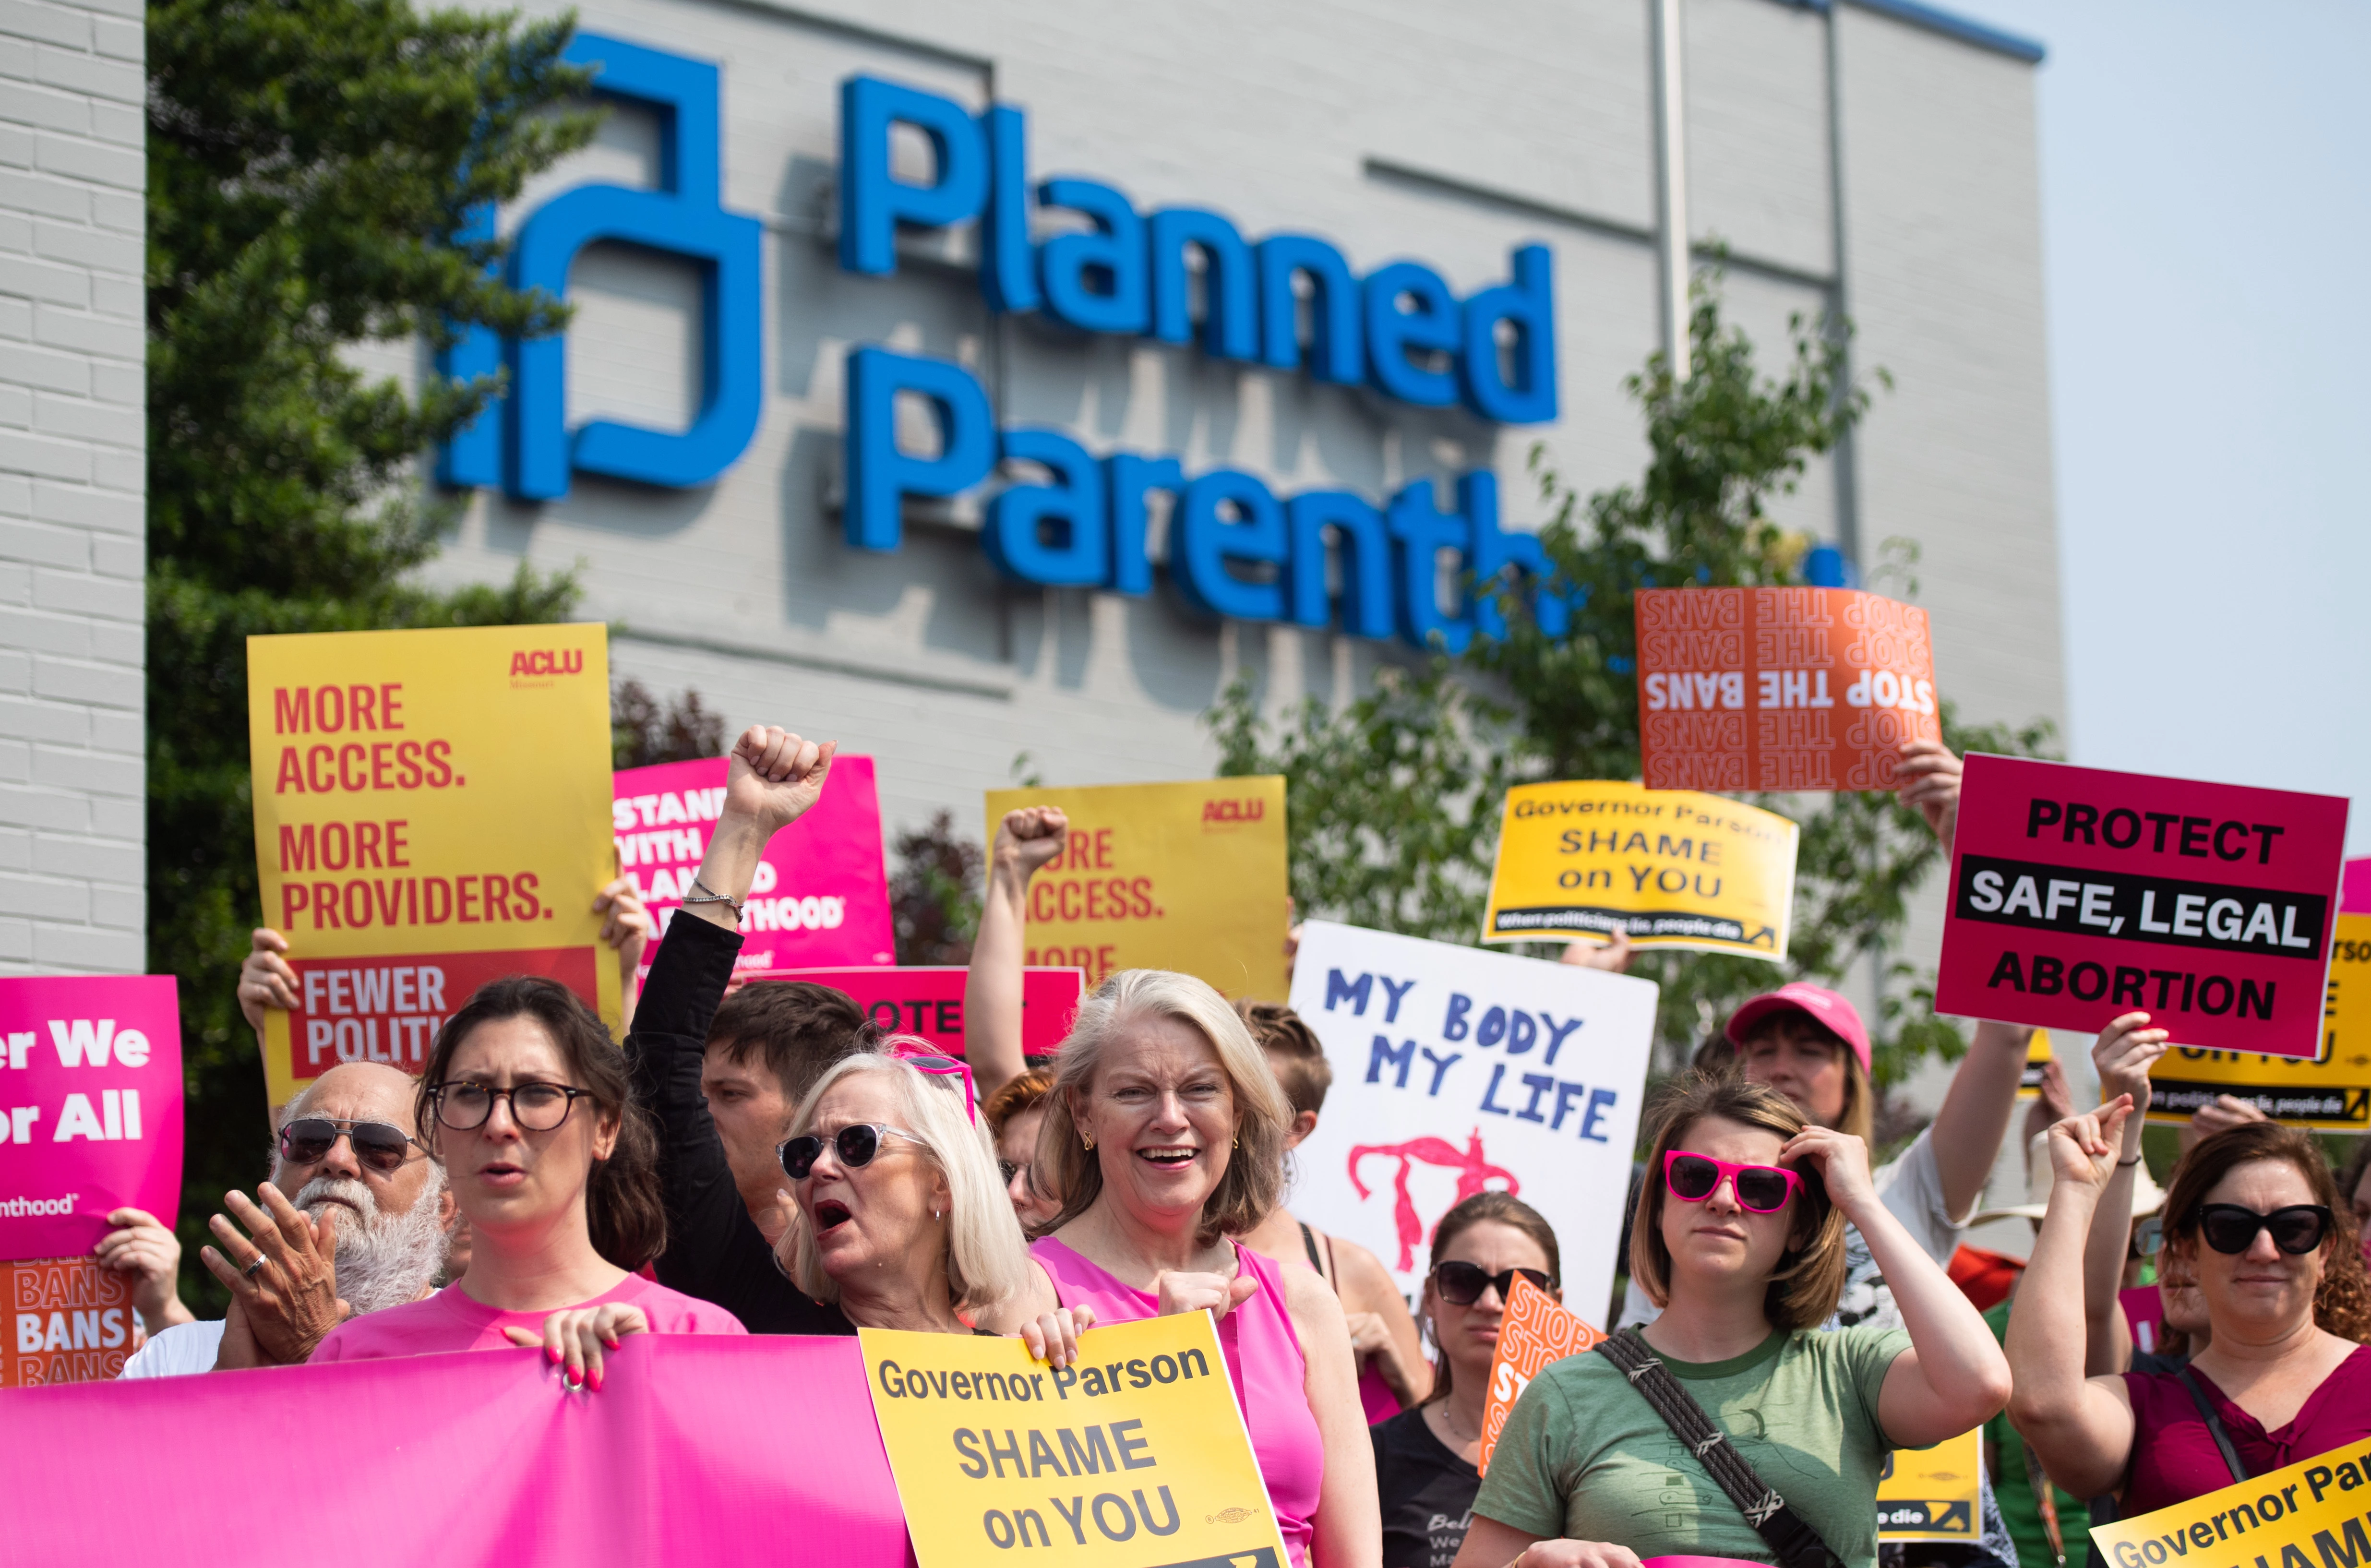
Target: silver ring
pixel 251 1269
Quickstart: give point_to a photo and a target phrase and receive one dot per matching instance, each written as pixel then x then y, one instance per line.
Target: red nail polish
pixel 593 1380
pixel 552 1351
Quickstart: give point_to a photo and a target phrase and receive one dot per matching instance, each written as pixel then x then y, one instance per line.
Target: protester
pixel 1740 1237
pixel 1426 1458
pixel 361 1229
pixel 2285 1374
pixel 1029 839
pixel 1014 1113
pixel 1165 1137
pixel 144 1250
pixel 1392 1374
pixel 769 1042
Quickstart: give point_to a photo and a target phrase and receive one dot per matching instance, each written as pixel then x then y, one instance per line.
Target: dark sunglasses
pixel 1462 1284
pixel 856 1144
pixel 382 1145
pixel 1761 1188
pixel 2297 1229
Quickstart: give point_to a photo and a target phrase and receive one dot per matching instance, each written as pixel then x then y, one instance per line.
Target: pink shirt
pixel 452 1320
pixel 2174 1456
pixel 1264 1361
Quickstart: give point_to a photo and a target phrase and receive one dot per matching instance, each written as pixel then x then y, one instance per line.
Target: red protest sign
pixel 1780 689
pixel 69 1321
pixel 2077 895
pixel 388 1010
pixel 927 1000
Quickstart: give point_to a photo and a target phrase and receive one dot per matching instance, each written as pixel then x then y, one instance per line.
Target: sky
pixel 2205 201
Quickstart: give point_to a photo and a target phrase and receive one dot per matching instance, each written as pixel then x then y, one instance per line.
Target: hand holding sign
pixel 1927 781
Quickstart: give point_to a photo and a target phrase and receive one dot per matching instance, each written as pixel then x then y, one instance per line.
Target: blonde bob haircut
pixel 1809 1279
pixel 1254 1179
pixel 987 1262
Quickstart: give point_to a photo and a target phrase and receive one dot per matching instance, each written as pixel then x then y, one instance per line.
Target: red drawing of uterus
pixel 1474 1174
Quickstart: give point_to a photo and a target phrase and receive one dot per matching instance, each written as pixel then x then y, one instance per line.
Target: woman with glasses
pixel 1426 1458
pixel 1739 1237
pixel 2254 1218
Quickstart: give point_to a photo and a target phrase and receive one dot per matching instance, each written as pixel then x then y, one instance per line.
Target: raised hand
pixel 775 777
pixel 265 980
pixel 2082 1148
pixel 1842 1161
pixel 1029 838
pixel 2124 1054
pixel 1613 957
pixel 1929 783
pixel 285 1279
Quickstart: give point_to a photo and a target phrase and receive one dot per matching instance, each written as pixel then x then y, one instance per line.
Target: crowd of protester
pixel 757 1160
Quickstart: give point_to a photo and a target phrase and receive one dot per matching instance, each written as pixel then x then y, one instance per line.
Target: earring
pixel 1086 1141
pixel 1239 1141
pixel 934 1214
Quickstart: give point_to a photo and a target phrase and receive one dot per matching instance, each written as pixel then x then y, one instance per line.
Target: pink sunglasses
pixel 924 1058
pixel 1760 1189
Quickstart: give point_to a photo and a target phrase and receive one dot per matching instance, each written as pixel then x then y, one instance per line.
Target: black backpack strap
pixel 1793 1542
pixel 2214 1424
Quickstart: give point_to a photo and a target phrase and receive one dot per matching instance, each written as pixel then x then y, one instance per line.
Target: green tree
pixel 309 164
pixel 1394 801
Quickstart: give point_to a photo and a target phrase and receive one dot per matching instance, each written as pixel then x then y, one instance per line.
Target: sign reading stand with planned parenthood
pixel 1459 1071
pixel 2078 894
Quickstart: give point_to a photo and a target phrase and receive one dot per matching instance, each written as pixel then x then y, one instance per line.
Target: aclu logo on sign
pixel 546 662
pixel 1226 814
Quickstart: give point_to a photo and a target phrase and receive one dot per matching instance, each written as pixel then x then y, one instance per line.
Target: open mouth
pixel 1170 1158
pixel 829 1214
pixel 501 1171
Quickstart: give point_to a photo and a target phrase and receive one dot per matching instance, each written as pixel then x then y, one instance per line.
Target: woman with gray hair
pixel 1164 1133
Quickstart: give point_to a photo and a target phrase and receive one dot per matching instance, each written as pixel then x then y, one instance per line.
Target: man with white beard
pixel 366 1230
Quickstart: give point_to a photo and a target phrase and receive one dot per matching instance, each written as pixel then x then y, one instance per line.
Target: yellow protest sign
pixel 2332 1092
pixel 2036 1056
pixel 2313 1513
pixel 1931 1494
pixel 432 812
pixel 1188 876
pixel 1584 857
pixel 1135 1457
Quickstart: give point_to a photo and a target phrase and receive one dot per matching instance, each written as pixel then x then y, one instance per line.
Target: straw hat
pixel 2148 1198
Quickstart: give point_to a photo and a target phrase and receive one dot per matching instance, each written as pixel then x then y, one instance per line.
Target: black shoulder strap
pixel 2214 1424
pixel 1792 1540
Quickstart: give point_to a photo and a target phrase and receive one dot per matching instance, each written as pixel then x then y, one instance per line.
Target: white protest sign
pixel 1458 1070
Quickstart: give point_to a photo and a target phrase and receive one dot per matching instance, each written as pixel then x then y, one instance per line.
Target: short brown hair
pixel 1809 1279
pixel 796 1027
pixel 2341 1305
pixel 1292 1049
pixel 1018 1095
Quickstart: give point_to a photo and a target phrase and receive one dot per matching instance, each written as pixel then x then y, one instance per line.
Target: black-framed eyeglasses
pixel 382 1145
pixel 536 1107
pixel 2298 1228
pixel 856 1144
pixel 1462 1284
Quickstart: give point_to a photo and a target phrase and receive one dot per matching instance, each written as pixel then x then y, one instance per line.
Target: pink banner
pixel 927 999
pixel 90 1108
pixel 2355 891
pixel 2077 895
pixel 698 1450
pixel 821 896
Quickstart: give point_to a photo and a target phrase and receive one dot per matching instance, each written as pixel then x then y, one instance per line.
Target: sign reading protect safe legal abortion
pixel 2077 895
pixel 1673 867
pixel 432 812
pixel 1780 689
pixel 90 1108
pixel 1135 1456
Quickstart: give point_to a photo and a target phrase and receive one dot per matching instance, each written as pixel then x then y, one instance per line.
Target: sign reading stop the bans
pixel 432 812
pixel 1537 1330
pixel 1137 1456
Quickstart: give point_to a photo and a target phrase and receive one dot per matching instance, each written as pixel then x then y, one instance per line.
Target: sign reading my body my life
pixel 928 1000
pixel 90 1108
pixel 1458 1071
pixel 819 897
pixel 2078 894
pixel 432 812
pixel 1780 689
pixel 1674 868
pixel 1135 1457
pixel 1187 876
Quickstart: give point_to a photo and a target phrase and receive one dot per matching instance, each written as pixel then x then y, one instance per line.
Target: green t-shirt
pixel 1586 1458
pixel 2013 1488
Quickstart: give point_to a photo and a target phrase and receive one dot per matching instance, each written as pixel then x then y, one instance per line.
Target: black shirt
pixel 714 1249
pixel 1427 1492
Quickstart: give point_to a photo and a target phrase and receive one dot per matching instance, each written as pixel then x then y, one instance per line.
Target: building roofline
pixel 1949 25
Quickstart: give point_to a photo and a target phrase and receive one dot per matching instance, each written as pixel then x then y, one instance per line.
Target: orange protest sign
pixel 1780 689
pixel 1535 1330
pixel 69 1322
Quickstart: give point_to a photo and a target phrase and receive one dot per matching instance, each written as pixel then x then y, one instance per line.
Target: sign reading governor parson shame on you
pixel 2078 894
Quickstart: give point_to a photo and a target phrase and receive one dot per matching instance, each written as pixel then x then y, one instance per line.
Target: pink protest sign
pixel 90 1108
pixel 927 999
pixel 2354 892
pixel 2078 894
pixel 686 1456
pixel 820 897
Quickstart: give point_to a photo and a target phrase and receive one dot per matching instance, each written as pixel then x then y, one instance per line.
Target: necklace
pixel 1449 1420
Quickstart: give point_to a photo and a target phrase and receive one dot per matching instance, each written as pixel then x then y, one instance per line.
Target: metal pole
pixel 1671 185
pixel 1847 458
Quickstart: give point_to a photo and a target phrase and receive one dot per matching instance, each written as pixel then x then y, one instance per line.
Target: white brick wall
pixel 72 483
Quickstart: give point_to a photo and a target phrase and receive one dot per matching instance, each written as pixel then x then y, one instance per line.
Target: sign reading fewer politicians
pixel 1459 1071
pixel 1673 867
pixel 432 812
pixel 928 1000
pixel 2078 894
pixel 1780 689
pixel 1187 876
pixel 819 898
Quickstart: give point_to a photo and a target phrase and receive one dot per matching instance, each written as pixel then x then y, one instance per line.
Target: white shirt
pixel 179 1351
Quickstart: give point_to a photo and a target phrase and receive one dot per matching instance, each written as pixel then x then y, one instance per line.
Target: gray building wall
pixel 72 437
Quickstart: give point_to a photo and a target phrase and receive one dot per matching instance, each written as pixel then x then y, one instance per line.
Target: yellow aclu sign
pixel 2313 1513
pixel 1580 859
pixel 1135 1458
pixel 1932 1494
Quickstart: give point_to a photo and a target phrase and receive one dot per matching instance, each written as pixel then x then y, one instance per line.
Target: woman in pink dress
pixel 1164 1133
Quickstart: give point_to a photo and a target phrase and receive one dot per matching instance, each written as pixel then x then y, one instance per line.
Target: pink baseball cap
pixel 1817 1002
